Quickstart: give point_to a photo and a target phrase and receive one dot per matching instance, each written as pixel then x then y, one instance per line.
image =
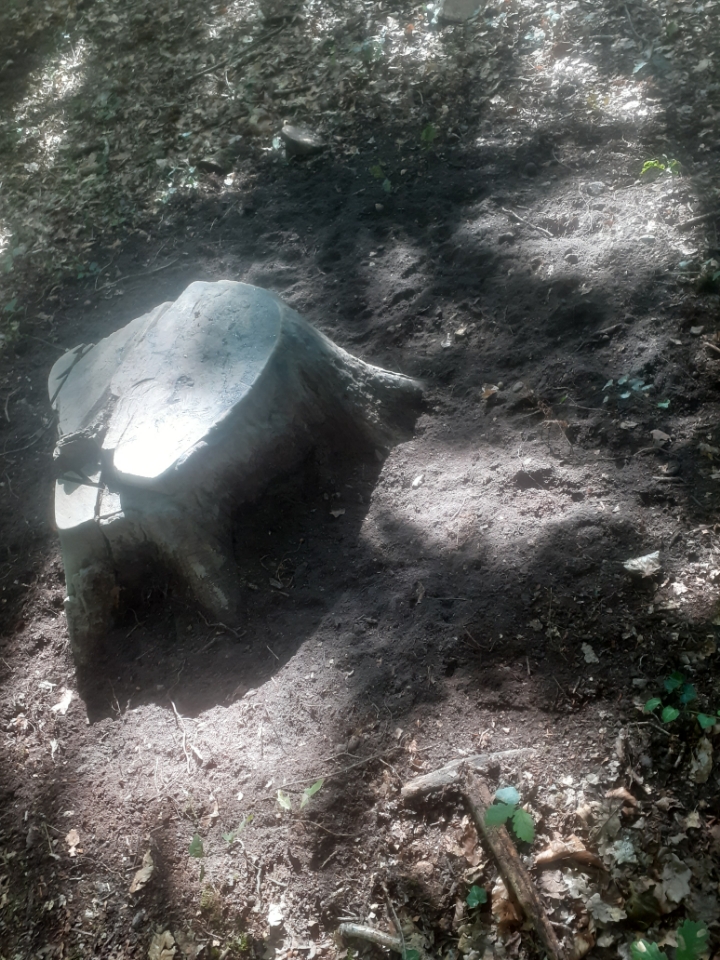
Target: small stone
pixel 572 258
pixel 457 11
pixel 647 238
pixel 506 238
pixel 517 387
pixel 461 333
pixel 596 188
pixel 300 141
pixel 531 169
pixel 217 164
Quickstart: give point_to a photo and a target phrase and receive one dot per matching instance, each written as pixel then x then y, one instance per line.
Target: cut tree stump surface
pixel 171 422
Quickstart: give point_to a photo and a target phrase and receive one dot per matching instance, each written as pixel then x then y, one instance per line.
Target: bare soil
pixel 445 611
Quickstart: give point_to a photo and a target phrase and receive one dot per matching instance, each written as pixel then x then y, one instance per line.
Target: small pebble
pixel 517 387
pixel 596 188
pixel 531 169
pixel 506 238
pixel 572 258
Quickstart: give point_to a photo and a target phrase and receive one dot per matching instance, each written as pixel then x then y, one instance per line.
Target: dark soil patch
pixel 444 613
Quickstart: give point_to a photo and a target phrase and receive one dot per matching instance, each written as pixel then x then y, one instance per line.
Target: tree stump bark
pixel 171 422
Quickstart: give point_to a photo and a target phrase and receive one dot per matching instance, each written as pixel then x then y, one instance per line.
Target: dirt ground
pixel 488 231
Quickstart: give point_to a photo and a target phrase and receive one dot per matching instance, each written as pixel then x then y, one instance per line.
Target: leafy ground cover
pixel 521 210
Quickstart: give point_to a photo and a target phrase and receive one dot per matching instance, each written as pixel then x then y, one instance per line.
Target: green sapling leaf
pixel 310 792
pixel 508 795
pixel 644 950
pixel 652 704
pixel 476 896
pixel 688 694
pixel 498 814
pixel 669 714
pixel 692 938
pixel 284 800
pixel 705 721
pixel 674 681
pixel 523 825
pixel 196 848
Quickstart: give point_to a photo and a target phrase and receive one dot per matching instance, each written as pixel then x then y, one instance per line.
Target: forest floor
pixel 480 219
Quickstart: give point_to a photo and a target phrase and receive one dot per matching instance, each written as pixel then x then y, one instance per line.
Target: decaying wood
pixel 358 931
pixel 450 773
pixel 511 867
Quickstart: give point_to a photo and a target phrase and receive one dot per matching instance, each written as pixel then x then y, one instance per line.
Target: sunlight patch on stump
pixel 169 423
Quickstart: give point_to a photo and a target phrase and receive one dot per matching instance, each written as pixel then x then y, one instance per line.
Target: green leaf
pixel 196 848
pixel 378 172
pixel 411 954
pixel 674 681
pixel 229 837
pixel 669 714
pixel 476 896
pixel 310 792
pixel 692 937
pixel 664 404
pixel 508 795
pixel 705 721
pixel 523 825
pixel 284 800
pixel 497 814
pixel 652 704
pixel 387 186
pixel 688 694
pixel 644 950
pixel 428 135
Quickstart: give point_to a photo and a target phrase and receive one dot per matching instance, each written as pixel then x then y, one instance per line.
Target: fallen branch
pixel 533 226
pixel 245 59
pixel 511 867
pixel 686 224
pixel 448 774
pixel 359 931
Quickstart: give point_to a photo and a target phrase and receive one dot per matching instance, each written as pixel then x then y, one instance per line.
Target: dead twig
pixel 511 867
pixel 247 57
pixel 447 775
pixel 181 724
pixel 358 931
pixel 134 276
pixel 686 224
pixel 527 223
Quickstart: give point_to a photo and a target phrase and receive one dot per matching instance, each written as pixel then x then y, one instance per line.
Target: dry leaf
pixel 162 946
pixel 571 849
pixel 72 839
pixel 620 793
pixel 646 566
pixel 64 703
pixel 143 875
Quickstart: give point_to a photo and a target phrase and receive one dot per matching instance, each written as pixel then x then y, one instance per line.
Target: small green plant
pixel 661 166
pixel 234 835
pixel 507 807
pixel 196 848
pixel 476 896
pixel 692 941
pixel 285 800
pixel 428 136
pixel 683 693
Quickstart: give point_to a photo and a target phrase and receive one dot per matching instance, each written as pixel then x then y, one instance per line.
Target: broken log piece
pixel 170 423
pixel 452 772
pixel 359 931
pixel 511 867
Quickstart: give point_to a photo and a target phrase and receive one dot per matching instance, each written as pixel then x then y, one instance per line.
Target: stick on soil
pixel 511 867
pixel 448 774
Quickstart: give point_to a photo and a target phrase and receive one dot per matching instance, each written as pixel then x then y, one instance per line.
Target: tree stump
pixel 170 423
